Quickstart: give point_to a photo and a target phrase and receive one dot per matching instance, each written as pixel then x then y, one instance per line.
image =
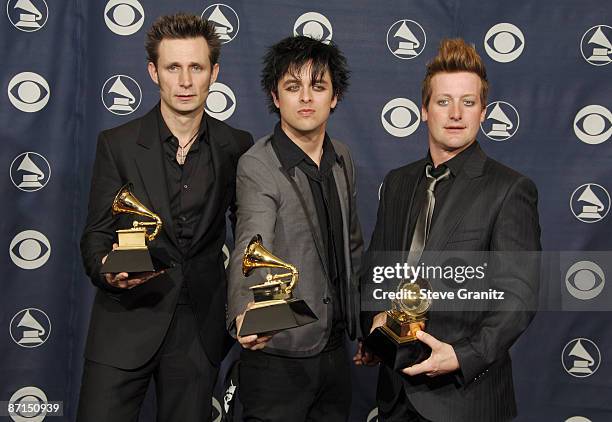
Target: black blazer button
pixel 326 300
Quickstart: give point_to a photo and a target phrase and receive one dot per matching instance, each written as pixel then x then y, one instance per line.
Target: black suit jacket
pixel 490 207
pixel 128 326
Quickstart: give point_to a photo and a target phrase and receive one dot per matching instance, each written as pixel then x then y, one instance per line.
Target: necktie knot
pixel 434 176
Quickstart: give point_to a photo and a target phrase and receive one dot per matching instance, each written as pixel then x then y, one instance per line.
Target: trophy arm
pixel 294 279
pixel 157 223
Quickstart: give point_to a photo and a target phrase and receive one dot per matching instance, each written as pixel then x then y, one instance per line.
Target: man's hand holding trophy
pixel 130 263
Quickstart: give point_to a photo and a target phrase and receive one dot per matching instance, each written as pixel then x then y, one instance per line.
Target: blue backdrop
pixel 73 68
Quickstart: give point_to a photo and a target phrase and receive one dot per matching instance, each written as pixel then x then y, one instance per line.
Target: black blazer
pixel 490 207
pixel 128 326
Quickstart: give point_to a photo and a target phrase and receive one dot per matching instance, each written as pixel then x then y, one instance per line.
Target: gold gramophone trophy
pixel 395 343
pixel 275 307
pixel 133 255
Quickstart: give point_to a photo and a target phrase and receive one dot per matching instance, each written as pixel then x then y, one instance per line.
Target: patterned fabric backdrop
pixel 72 68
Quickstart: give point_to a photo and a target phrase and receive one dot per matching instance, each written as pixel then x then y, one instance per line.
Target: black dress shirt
pixel 327 204
pixel 442 189
pixel 188 185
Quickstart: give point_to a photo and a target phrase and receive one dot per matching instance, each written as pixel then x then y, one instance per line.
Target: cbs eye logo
pixel 225 20
pixel 30 250
pixel 504 42
pixel 29 92
pixel 124 17
pixel 400 117
pixel 32 396
pixel 314 25
pixel 27 15
pixel 221 101
pixel 593 124
pixel 585 280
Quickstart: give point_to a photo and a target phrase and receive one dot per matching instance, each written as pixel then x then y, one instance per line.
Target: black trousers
pixel 402 411
pixel 274 388
pixel 184 380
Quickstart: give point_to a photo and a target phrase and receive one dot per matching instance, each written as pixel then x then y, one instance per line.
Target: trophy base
pixel 277 316
pixel 136 261
pixel 393 351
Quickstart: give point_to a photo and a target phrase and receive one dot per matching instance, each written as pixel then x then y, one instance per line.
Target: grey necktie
pixel 423 224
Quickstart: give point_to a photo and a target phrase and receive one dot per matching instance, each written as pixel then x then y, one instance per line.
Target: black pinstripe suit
pixel 489 207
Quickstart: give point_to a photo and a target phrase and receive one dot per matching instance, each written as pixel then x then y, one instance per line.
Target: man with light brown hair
pixel 168 326
pixel 458 199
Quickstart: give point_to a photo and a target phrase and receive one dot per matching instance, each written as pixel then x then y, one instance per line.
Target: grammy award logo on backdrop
pixel 28 92
pixel 593 124
pixel 30 249
pixel 595 45
pixel 581 357
pixel 504 42
pixel 585 280
pixel 400 117
pixel 406 39
pixel 221 101
pixel 27 15
pixel 314 25
pixel 225 19
pixel 124 17
pixel 501 122
pixel 30 171
pixel 577 419
pixel 590 203
pixel 121 95
pixel 30 328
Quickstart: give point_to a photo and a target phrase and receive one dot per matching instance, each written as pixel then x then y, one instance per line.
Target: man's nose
pixel 185 78
pixel 455 112
pixel 306 94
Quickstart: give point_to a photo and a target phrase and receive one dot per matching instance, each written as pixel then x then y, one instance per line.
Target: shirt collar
pixel 166 135
pixel 290 155
pixel 456 163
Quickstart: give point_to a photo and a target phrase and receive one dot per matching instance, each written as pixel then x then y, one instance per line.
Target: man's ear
pixel 275 99
pixel 214 73
pixel 483 114
pixel 423 113
pixel 153 72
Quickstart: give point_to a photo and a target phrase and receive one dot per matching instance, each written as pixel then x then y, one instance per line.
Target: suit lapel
pixel 464 192
pixel 219 138
pixel 149 161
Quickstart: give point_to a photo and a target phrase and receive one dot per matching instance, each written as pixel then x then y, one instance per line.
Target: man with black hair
pixel 181 162
pixel 296 187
